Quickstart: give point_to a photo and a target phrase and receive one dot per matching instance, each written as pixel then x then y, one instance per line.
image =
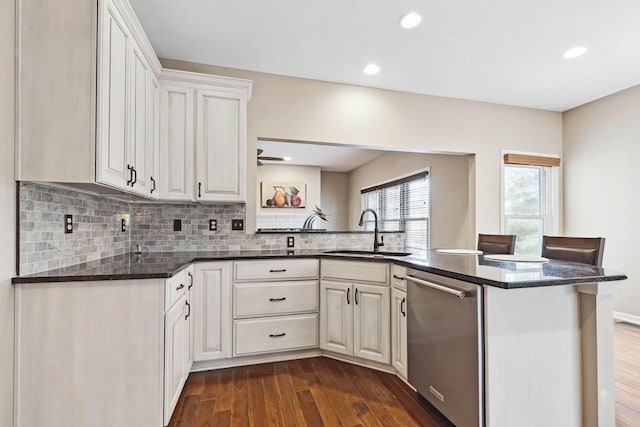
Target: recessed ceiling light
pixel 286 159
pixel 410 20
pixel 574 52
pixel 371 69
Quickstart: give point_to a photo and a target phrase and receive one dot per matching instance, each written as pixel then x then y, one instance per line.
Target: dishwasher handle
pixel 451 291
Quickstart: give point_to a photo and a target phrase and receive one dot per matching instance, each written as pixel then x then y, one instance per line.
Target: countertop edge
pixel 397 260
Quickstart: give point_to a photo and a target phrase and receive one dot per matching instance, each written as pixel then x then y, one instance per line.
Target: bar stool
pixel 587 250
pixel 497 243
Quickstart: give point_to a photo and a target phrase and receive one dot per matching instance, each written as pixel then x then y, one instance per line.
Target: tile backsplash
pixel 97 234
pixel 43 242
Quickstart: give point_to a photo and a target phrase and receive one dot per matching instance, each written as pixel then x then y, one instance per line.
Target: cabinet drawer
pixel 396 272
pixel 176 287
pixel 358 271
pixel 275 334
pixel 271 298
pixel 275 269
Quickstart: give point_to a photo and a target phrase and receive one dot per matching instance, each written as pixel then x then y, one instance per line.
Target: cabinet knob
pixel 180 287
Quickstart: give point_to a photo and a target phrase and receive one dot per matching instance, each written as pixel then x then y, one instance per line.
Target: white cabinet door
pixel 176 142
pixel 175 357
pixel 139 122
pixel 336 317
pixel 371 322
pixel 153 141
pixel 220 146
pixel 112 144
pixel 191 292
pixel 399 331
pixel 212 311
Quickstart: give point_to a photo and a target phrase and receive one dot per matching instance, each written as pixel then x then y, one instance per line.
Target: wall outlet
pixel 213 225
pixel 237 224
pixel 291 242
pixel 68 224
pixel 177 225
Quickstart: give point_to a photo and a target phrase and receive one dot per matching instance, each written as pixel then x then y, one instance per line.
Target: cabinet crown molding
pixel 208 79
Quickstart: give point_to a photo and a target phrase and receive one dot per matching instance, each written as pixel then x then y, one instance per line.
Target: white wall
pixel 309 110
pixel 450 213
pixel 334 200
pixel 7 208
pixel 310 175
pixel 601 174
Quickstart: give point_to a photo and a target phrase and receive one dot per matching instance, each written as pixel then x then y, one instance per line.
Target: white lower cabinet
pixel 399 331
pixel 212 311
pixel 178 337
pixel 275 306
pixel 175 355
pixel 354 320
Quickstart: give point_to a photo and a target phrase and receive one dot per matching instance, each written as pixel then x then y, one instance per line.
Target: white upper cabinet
pixel 203 137
pixel 125 143
pixel 114 94
pixel 153 141
pixel 220 146
pixel 176 141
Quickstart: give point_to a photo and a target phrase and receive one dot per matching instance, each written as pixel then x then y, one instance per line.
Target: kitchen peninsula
pixel 546 329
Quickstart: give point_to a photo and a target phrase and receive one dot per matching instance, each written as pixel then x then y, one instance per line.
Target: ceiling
pixel 330 158
pixel 501 51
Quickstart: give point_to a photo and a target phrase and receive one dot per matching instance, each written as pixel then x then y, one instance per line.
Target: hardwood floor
pixel 326 392
pixel 306 392
pixel 627 374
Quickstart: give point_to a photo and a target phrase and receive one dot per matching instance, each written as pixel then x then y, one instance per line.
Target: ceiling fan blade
pixel 277 159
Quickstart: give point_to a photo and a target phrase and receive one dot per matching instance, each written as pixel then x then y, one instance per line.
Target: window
pixel 529 201
pixel 402 205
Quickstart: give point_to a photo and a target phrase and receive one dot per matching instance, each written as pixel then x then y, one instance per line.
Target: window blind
pixel 402 205
pixel 524 159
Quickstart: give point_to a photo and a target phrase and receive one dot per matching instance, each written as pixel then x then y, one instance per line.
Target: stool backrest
pixel 497 243
pixel 587 250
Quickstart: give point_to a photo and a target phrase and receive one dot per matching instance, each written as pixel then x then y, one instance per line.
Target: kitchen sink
pixel 366 253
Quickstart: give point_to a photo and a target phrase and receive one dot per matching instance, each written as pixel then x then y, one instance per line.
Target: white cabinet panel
pixel 336 317
pixel 139 121
pixel 356 271
pixel 176 142
pixel 276 269
pixel 371 322
pixel 153 141
pixel 212 311
pixel 175 357
pixel 221 146
pixel 399 331
pixel 270 334
pixel 113 94
pixel 272 298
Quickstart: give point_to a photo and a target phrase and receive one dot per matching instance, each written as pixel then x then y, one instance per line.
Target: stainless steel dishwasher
pixel 444 338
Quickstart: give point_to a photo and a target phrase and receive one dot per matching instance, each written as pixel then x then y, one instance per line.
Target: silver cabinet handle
pixel 451 291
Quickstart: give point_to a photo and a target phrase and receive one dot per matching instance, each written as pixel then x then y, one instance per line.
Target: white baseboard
pixel 629 318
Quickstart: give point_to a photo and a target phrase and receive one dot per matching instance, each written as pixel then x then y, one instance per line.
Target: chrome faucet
pixel 376 244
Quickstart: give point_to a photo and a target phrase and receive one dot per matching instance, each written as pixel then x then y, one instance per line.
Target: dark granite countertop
pixel 470 268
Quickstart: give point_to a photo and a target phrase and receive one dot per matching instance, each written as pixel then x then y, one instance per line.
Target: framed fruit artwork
pixel 283 194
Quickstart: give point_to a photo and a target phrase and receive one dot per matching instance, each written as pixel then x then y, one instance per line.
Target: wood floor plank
pixel 275 413
pixel 293 416
pixel 351 407
pixel 224 395
pixel 257 405
pixel 240 407
pixel 327 410
pixel 298 377
pixel 205 413
pixel 309 409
